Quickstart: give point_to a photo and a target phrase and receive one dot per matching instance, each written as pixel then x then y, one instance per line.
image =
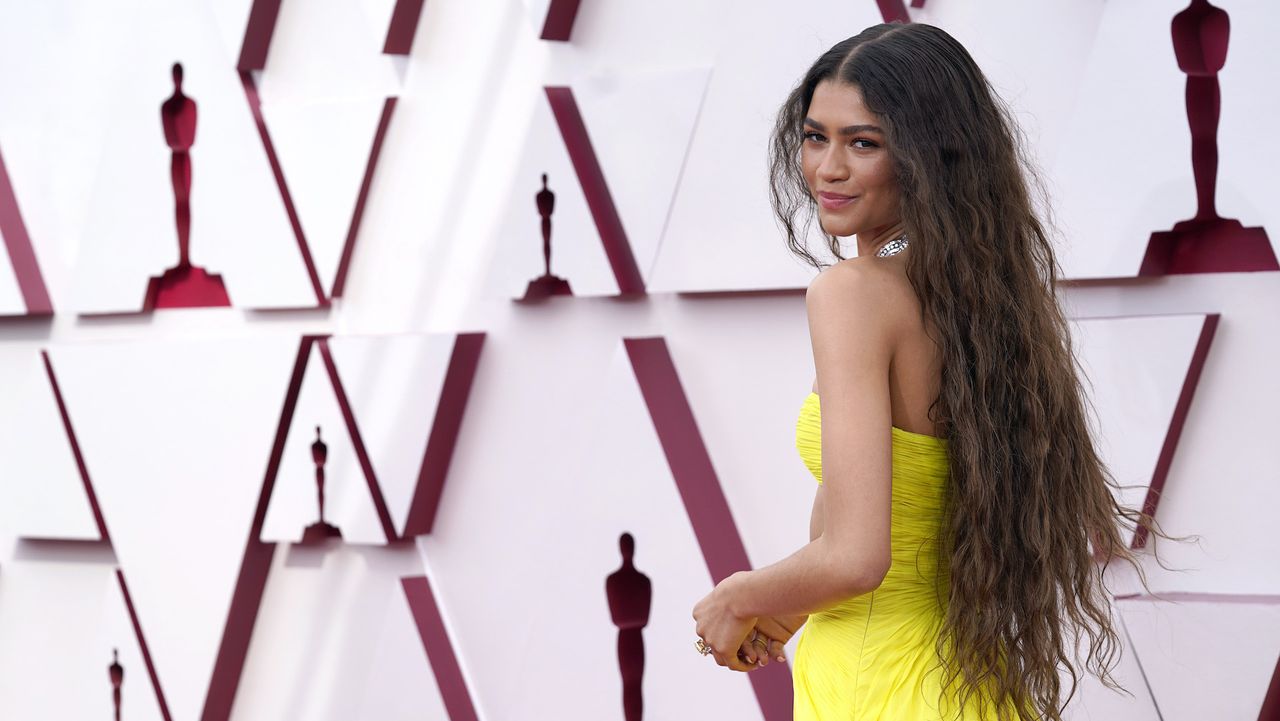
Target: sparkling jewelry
pixel 758 640
pixel 702 647
pixel 893 247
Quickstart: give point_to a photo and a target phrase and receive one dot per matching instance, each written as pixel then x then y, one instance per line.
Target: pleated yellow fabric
pixel 873 657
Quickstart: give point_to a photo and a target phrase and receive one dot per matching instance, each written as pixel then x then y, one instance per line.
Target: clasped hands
pixel 742 644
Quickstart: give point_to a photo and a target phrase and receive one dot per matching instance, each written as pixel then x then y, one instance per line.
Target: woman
pixel 949 570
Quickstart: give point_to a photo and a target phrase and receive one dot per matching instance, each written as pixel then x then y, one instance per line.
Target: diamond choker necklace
pixel 893 247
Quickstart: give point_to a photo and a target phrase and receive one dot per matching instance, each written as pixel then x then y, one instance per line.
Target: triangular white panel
pixel 324 148
pixel 41 494
pixel 1229 647
pixel 722 234
pixel 321 641
pixel 294 502
pixel 577 253
pixel 179 482
pixel 1132 112
pixel 239 227
pixel 640 126
pixel 394 384
pixel 1248 150
pixel 59 621
pixel 1135 369
pixel 11 300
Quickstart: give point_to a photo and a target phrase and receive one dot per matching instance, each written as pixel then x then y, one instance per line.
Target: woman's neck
pixel 869 243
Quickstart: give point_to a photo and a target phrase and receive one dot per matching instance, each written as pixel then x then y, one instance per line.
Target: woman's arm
pixel 851 327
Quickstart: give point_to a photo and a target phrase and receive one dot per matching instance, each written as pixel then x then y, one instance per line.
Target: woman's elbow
pixel 867 576
pixel 860 573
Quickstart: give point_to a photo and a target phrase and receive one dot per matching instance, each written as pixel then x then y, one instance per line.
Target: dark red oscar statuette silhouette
pixel 320 530
pixel 630 595
pixel 546 285
pixel 116 672
pixel 1206 243
pixel 184 285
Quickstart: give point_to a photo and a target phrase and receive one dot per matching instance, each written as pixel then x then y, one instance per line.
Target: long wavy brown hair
pixel 1028 493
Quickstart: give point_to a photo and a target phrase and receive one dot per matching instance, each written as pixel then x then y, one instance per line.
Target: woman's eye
pixel 869 144
pixel 814 137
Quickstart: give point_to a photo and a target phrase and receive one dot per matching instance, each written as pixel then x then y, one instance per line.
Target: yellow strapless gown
pixel 873 657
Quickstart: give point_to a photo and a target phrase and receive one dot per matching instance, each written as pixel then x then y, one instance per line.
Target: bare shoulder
pixel 861 287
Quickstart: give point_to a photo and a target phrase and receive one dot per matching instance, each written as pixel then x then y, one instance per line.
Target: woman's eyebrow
pixel 847 130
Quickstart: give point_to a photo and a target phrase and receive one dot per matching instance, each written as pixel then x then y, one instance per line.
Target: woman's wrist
pixel 737 591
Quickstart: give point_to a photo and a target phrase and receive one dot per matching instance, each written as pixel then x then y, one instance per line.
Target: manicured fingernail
pixel 782 658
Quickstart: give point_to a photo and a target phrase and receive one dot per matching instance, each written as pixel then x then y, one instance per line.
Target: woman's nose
pixel 832 168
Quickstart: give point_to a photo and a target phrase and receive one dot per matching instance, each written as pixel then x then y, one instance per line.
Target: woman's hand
pixel 771 634
pixel 720 629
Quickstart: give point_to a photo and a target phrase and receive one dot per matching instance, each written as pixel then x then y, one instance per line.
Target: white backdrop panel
pixel 178 480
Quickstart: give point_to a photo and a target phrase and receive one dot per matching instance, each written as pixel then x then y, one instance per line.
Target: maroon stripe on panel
pixel 559 22
pixel 257 35
pixel 21 255
pixel 1271 702
pixel 404 25
pixel 142 644
pixel 700 490
pixel 255 107
pixel 255 566
pixel 444 434
pixel 242 614
pixel 340 280
pixel 892 10
pixel 599 200
pixel 362 454
pixel 435 639
pixel 687 457
pixel 81 466
pixel 917 3
pixel 1176 423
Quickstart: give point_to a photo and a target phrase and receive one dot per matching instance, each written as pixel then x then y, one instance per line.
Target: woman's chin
pixel 837 227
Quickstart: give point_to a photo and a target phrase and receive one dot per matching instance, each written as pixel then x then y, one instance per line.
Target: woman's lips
pixel 834 201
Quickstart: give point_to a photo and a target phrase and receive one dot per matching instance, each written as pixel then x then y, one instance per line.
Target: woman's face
pixel 846 163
